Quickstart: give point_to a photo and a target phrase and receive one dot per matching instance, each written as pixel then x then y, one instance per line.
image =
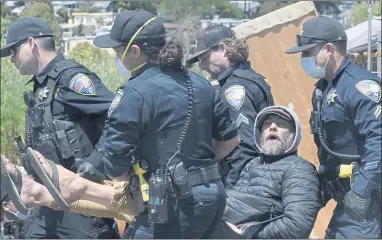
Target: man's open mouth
pixel 273 137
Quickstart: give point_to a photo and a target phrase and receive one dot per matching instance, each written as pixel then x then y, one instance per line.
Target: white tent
pixel 358 36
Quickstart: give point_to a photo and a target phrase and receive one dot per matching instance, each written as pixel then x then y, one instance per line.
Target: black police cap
pixel 316 31
pixel 126 24
pixel 22 29
pixel 208 38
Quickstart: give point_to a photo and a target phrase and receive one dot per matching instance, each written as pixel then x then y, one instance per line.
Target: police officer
pixel 346 121
pixel 243 90
pixel 65 116
pixel 167 117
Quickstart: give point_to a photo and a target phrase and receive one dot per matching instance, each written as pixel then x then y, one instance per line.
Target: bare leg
pixel 74 187
pixel 34 194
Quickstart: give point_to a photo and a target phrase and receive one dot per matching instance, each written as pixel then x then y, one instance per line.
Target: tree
pixel 270 6
pixel 360 13
pixel 5 11
pixel 80 30
pixel 44 11
pixel 98 61
pixel 63 13
pixel 327 7
pixel 132 5
pixel 171 11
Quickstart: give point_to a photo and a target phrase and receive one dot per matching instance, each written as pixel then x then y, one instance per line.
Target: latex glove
pixel 356 205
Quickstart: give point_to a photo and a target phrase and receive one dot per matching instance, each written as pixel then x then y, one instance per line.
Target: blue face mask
pixel 122 69
pixel 310 67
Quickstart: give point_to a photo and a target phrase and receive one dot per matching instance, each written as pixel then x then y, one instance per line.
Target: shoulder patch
pixel 82 84
pixel 370 89
pixel 115 102
pixel 235 96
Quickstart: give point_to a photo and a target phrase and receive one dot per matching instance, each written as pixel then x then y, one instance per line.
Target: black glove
pixel 356 205
pixel 88 171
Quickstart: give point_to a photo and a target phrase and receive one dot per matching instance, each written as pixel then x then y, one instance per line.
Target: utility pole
pixel 369 37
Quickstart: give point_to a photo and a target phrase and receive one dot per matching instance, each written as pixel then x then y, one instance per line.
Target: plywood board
pixel 268 38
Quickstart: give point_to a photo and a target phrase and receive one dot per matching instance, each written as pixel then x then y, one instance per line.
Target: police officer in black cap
pixel 166 116
pixel 346 122
pixel 243 90
pixel 64 120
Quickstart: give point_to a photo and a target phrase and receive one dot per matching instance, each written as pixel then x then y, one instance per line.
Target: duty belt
pixel 338 188
pixel 203 175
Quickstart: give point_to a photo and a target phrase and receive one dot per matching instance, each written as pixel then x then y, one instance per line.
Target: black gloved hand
pixel 88 171
pixel 356 205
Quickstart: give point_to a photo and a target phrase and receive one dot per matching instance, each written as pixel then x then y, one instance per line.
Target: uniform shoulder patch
pixel 82 84
pixel 115 102
pixel 235 96
pixel 370 89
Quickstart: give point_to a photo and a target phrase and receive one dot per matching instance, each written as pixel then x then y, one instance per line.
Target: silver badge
pixel 42 93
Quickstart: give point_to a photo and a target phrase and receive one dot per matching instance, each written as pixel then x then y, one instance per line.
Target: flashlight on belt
pixel 140 168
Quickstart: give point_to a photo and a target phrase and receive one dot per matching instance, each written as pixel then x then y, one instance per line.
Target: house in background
pixel 228 22
pixel 70 5
pixel 105 6
pixel 96 19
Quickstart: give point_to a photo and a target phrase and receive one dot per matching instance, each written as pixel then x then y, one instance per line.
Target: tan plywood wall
pixel 268 38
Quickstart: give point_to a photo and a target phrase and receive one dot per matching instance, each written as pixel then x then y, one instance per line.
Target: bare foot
pixel 34 194
pixel 12 170
pixel 72 187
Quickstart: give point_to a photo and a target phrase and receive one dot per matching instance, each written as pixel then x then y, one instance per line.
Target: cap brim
pixel 302 48
pixel 6 50
pixel 104 41
pixel 194 57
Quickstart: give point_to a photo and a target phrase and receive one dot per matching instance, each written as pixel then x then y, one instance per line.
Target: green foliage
pixel 173 11
pixel 44 11
pixel 63 13
pixel 327 7
pixel 98 61
pixel 360 13
pixel 270 6
pixel 148 6
pixel 12 107
pixel 5 11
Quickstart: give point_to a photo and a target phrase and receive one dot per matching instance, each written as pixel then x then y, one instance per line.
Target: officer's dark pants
pixel 342 226
pixel 64 225
pixel 195 217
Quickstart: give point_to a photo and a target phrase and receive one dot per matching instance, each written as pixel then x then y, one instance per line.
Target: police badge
pixel 115 102
pixel 235 96
pixel 370 89
pixel 82 84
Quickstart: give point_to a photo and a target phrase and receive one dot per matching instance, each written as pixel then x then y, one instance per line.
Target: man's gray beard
pixel 276 147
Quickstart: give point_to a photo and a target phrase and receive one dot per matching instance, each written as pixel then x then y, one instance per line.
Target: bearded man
pixel 279 198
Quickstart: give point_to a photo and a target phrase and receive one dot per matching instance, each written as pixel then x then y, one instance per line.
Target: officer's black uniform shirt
pixel 148 114
pixel 246 93
pixel 71 105
pixel 351 123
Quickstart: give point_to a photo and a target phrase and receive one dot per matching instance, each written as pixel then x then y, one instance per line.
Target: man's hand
pixel 88 171
pixel 356 205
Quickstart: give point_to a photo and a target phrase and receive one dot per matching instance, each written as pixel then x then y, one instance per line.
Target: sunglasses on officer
pixel 16 47
pixel 304 40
